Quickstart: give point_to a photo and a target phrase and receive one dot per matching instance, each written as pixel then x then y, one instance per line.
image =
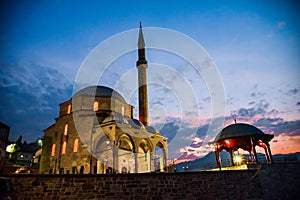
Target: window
pixel 75 148
pixel 64 147
pixel 96 106
pixel 69 109
pixel 123 111
pixel 53 150
pixel 66 129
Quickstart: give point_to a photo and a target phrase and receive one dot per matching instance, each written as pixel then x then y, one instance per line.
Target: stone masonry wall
pixel 280 180
pixel 190 185
pixel 265 181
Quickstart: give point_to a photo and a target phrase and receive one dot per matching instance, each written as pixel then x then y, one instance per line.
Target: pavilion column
pixel 250 154
pixel 217 158
pixel 253 149
pixel 255 155
pixel 231 157
pixel 267 155
pixel 270 154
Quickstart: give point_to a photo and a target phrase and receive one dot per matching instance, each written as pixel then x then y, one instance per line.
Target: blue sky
pixel 255 45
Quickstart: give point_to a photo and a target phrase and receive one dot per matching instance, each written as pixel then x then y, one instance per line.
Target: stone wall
pixel 192 185
pixel 280 180
pixel 275 181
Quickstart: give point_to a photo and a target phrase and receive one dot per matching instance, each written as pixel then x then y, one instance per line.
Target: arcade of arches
pixel 129 154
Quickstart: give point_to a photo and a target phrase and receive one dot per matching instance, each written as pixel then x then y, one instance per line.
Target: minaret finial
pixel 141 42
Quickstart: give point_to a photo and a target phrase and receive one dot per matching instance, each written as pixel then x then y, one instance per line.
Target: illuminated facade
pixel 97 133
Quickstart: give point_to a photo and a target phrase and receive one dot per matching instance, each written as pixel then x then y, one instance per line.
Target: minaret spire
pixel 141 47
pixel 141 64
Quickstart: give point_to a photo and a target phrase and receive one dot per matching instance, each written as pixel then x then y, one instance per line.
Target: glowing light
pixel 64 147
pixel 53 150
pixel 238 159
pixel 227 142
pixel 96 106
pixel 69 109
pixel 40 142
pixel 75 148
pixel 11 148
pixel 66 129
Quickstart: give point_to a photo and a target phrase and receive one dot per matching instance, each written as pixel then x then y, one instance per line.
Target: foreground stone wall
pixel 280 180
pixel 198 185
pixel 275 181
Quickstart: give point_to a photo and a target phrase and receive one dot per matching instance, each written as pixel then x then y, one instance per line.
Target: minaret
pixel 141 64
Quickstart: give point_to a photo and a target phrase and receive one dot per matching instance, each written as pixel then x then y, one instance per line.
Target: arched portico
pixel 144 156
pixel 104 155
pixel 159 157
pixel 124 154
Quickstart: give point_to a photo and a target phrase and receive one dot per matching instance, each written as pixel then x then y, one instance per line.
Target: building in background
pixel 4 133
pixel 96 132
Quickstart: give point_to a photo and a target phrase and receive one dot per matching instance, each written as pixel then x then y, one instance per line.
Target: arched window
pixel 64 147
pixel 96 106
pixel 66 129
pixel 123 111
pixel 69 109
pixel 53 150
pixel 75 148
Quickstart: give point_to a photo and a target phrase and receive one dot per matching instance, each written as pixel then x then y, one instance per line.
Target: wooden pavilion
pixel 244 136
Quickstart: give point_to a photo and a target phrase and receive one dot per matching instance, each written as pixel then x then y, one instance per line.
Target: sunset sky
pixel 254 44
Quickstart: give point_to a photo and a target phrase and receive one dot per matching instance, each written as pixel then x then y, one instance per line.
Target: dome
pixel 136 124
pixel 238 130
pixel 151 129
pixel 99 91
pixel 115 118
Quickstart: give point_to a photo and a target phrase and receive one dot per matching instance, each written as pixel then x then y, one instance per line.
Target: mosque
pixel 96 132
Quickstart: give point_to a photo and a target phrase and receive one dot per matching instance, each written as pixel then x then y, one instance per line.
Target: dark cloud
pixel 278 126
pixel 259 108
pixel 169 129
pixel 202 131
pixel 293 91
pixel 257 94
pixel 273 111
pixel 291 128
pixel 30 97
pixel 298 103
pixel 190 113
pixel 267 122
pixel 156 102
pixel 207 99
pixel 251 103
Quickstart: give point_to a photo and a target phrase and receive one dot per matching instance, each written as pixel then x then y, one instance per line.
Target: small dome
pixel 99 91
pixel 238 130
pixel 136 124
pixel 151 129
pixel 115 118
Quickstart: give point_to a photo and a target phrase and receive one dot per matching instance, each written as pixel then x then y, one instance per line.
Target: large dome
pixel 99 91
pixel 238 130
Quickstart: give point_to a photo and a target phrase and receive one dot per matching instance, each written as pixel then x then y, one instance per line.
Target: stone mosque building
pixel 96 132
